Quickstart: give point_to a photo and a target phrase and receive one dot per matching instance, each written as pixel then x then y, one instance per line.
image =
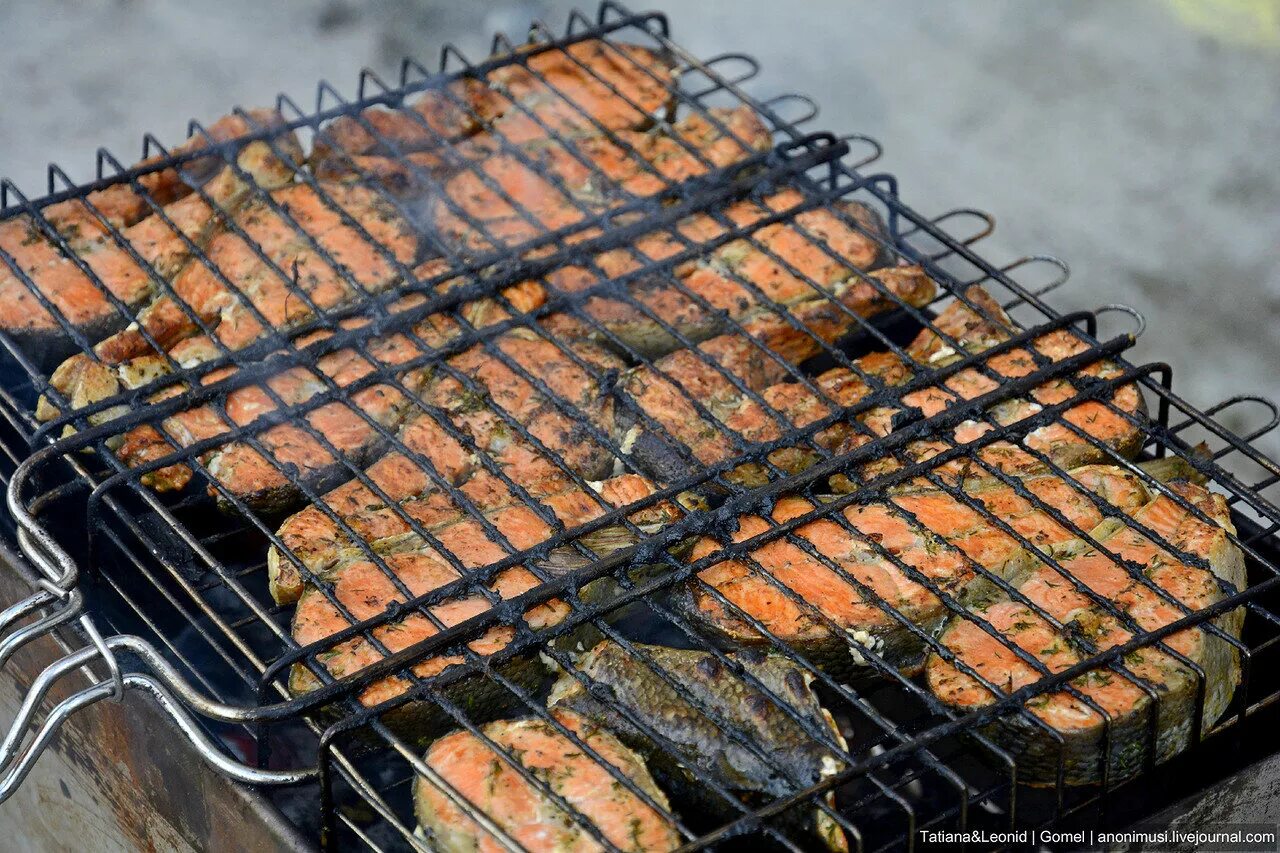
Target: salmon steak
pixel 480 774
pixel 583 89
pixel 871 580
pixel 365 584
pixel 1173 558
pixel 98 260
pixel 1087 432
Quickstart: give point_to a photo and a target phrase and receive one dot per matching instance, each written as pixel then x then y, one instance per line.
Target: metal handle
pixel 23 742
pixel 57 595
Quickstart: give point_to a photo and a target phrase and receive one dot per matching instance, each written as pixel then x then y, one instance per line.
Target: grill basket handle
pixel 56 594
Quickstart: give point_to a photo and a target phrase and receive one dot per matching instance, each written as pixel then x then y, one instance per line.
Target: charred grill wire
pixel 584 430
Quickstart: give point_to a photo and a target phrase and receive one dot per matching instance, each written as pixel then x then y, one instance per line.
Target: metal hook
pixel 811 108
pixel 1064 275
pixel 984 229
pixel 1240 399
pixel 1125 309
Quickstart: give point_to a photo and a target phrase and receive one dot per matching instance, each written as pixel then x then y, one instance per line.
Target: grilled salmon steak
pixel 836 587
pixel 1082 435
pixel 507 198
pixel 821 252
pixel 479 774
pixel 691 396
pixel 272 278
pixel 359 589
pixel 467 419
pixel 1098 598
pixel 175 210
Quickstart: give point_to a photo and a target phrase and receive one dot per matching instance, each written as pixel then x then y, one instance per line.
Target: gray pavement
pixel 1138 139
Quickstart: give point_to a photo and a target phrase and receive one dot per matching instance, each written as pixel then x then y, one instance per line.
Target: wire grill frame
pixel 903 223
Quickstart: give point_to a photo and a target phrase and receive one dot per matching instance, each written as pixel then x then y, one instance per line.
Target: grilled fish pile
pixel 557 417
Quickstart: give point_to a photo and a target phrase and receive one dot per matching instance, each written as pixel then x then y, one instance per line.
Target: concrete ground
pixel 1138 140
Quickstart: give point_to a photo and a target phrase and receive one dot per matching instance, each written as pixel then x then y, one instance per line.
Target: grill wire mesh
pixel 895 758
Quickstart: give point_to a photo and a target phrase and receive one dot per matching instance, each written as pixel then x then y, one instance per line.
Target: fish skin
pixel 1081 727
pixel 524 813
pixel 699 749
pixel 930 531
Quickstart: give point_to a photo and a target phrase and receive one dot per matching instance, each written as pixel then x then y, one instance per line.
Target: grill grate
pixel 195 583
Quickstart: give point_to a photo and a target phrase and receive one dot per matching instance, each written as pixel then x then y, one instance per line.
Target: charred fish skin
pixel 472 769
pixel 1057 728
pixel 700 749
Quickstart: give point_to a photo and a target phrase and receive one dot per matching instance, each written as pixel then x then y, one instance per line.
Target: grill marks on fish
pixel 888 561
pixel 1150 587
pixel 365 589
pixel 158 240
pixel 701 741
pixel 481 775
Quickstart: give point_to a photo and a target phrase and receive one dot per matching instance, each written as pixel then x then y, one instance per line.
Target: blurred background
pixel 1138 140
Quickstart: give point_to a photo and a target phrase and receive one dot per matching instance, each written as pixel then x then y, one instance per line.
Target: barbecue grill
pixel 163 595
